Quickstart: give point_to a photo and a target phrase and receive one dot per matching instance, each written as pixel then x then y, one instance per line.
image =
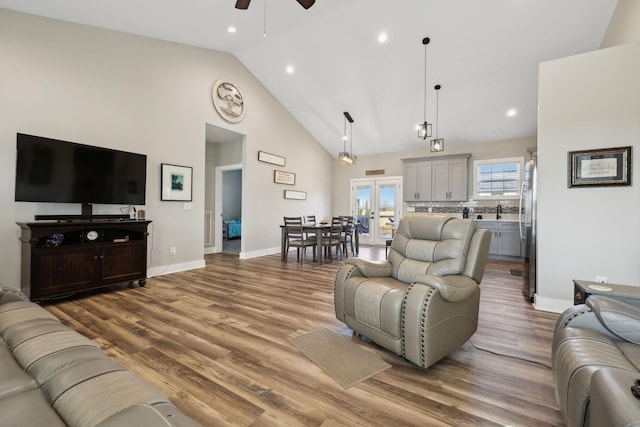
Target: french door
pixel 376 203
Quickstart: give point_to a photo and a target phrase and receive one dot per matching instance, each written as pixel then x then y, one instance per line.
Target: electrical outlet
pixel 601 279
pixel 172 251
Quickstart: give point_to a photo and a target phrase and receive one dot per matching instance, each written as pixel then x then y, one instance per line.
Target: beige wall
pixel 624 26
pixel 106 88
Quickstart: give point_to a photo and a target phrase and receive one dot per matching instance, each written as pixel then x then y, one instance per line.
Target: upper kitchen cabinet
pixel 417 181
pixel 436 179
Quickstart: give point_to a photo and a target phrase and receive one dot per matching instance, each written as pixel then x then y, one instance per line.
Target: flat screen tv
pixel 50 170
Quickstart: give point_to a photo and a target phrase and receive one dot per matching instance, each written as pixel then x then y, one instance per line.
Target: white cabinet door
pixel 440 181
pixel 493 226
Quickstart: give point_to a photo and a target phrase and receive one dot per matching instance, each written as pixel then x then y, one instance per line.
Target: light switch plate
pixel 187 206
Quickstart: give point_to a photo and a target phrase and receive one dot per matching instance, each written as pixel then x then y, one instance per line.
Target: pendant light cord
pixel 425 81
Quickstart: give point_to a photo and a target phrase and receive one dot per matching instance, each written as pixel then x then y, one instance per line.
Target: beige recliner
pixel 422 303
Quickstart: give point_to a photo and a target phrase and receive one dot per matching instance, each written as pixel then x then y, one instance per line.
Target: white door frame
pixel 217 215
pixel 375 182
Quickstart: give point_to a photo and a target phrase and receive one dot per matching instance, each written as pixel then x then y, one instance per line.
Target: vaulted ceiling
pixel 485 54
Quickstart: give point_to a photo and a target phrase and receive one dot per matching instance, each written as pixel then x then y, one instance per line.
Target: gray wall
pixel 117 90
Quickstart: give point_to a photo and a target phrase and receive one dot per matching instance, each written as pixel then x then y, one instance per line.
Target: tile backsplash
pixel 509 206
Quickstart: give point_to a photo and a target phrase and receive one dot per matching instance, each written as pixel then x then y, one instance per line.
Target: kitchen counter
pixel 486 217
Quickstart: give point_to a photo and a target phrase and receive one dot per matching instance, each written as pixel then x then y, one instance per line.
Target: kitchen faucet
pixel 498 211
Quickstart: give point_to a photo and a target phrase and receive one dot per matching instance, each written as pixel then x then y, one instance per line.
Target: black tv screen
pixel 50 170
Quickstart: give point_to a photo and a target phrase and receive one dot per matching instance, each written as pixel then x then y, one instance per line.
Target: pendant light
pixel 424 129
pixel 437 144
pixel 347 157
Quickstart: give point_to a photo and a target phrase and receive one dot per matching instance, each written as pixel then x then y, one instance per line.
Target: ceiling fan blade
pixel 242 4
pixel 306 3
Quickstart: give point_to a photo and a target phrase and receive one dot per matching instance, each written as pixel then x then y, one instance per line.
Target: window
pixel 498 178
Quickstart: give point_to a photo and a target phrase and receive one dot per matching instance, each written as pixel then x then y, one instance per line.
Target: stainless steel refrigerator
pixel 528 223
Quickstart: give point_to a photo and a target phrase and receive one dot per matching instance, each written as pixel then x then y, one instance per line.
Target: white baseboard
pixel 551 304
pixel 261 252
pixel 174 268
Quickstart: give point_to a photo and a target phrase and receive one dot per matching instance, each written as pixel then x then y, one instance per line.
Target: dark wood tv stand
pixel 61 258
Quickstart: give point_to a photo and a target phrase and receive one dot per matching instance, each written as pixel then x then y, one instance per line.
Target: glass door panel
pixel 376 205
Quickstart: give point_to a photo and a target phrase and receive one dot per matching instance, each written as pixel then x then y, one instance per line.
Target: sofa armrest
pixel 452 288
pixel 146 415
pixel 619 317
pixel 8 294
pixel 369 268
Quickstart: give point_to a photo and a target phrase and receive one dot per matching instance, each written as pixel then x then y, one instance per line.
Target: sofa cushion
pixel 13 379
pixel 29 409
pixel 15 312
pixel 433 245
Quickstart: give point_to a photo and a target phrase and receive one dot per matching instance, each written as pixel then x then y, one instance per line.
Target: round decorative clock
pixel 92 235
pixel 228 101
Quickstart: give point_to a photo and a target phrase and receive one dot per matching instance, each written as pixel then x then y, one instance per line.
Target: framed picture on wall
pixel 282 177
pixel 296 195
pixel 601 167
pixel 176 182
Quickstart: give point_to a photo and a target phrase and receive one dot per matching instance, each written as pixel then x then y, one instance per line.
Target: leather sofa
pixel 52 376
pixel 422 302
pixel 596 362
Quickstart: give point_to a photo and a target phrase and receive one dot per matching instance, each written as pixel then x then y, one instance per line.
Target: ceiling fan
pixel 244 4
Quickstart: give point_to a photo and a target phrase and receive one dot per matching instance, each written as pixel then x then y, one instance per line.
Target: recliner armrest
pixel 452 288
pixel 619 317
pixel 369 268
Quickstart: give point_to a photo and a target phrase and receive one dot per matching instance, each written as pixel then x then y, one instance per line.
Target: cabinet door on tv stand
pixel 57 271
pixel 123 262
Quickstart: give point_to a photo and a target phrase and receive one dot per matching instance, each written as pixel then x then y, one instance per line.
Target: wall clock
pixel 228 101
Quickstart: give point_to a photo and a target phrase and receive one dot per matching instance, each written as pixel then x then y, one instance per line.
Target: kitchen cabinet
pixel 431 179
pixel 60 258
pixel 449 180
pixel 417 181
pixel 505 238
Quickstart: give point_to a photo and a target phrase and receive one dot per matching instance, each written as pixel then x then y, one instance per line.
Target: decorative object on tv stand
pixel 437 144
pixel 176 182
pixel 601 167
pixel 228 101
pixel 347 157
pixel 424 129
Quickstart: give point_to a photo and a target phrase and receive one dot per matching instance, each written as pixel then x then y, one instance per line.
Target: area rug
pixel 338 357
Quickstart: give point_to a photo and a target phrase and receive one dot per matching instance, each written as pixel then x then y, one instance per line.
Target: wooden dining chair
pixel 310 220
pixel 348 229
pixel 296 238
pixel 333 237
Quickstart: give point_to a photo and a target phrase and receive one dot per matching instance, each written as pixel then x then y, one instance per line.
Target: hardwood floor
pixel 214 340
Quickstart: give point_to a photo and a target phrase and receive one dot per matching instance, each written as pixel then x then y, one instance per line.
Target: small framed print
pixel 282 177
pixel 601 167
pixel 296 195
pixel 176 182
pixel 265 157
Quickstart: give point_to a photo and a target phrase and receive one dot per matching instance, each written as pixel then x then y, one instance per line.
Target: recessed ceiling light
pixel 383 37
pixel 232 29
pixel 290 69
pixel 511 112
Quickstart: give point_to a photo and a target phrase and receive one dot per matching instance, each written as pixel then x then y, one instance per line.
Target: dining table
pixel 317 229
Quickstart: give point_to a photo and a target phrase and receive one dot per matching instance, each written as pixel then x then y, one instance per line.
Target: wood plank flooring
pixel 214 340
